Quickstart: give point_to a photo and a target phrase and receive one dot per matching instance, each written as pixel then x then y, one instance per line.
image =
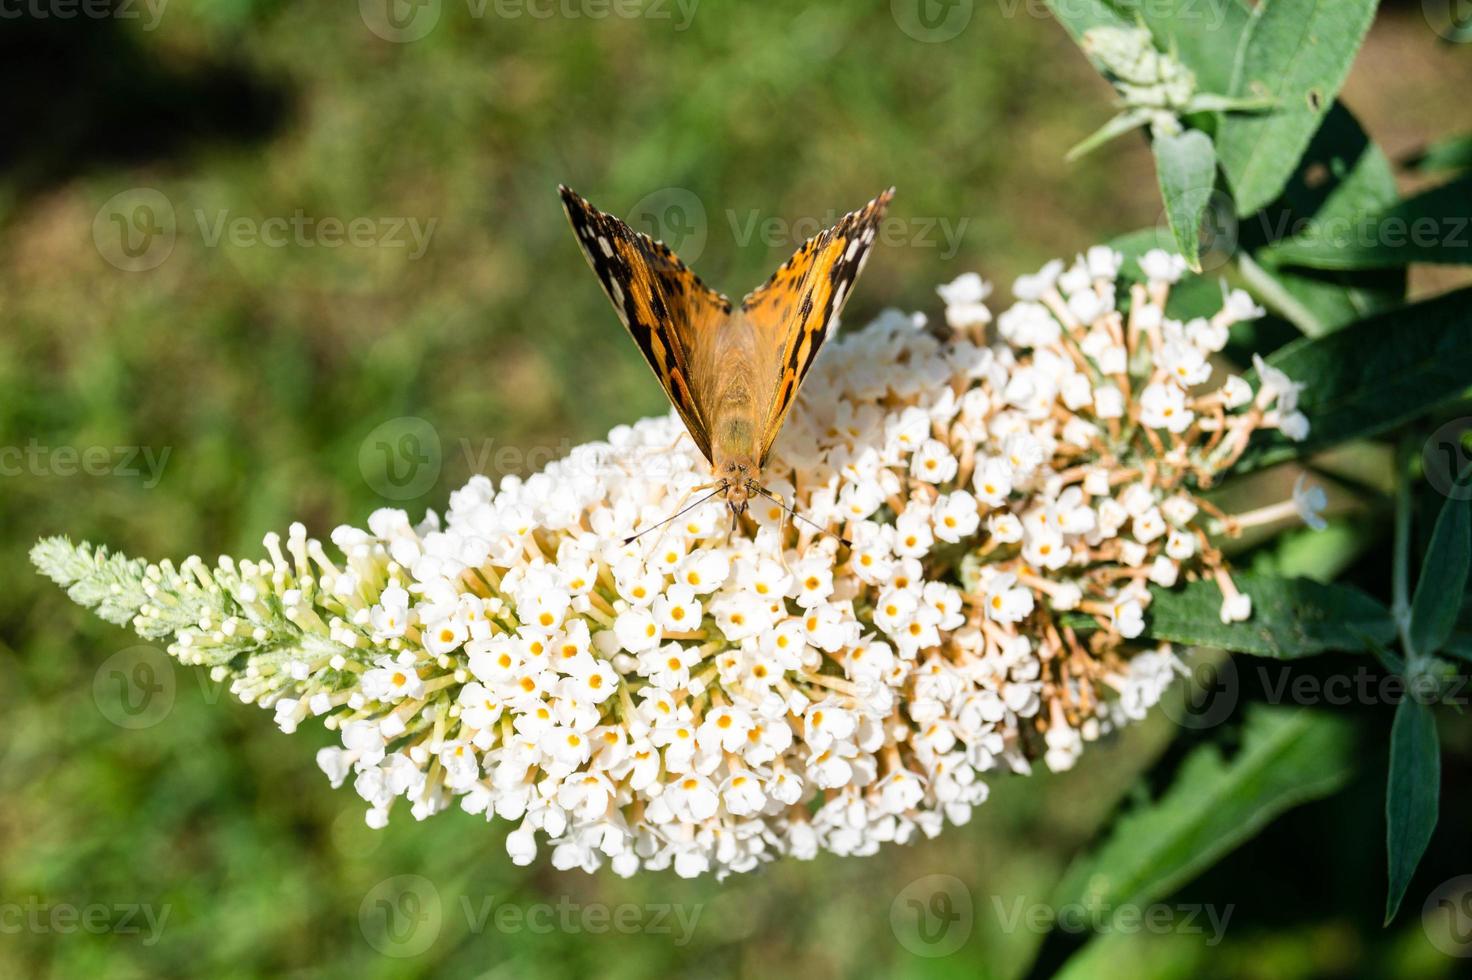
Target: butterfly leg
pixel 782 540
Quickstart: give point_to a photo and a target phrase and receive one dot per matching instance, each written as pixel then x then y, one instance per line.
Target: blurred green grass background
pixel 261 370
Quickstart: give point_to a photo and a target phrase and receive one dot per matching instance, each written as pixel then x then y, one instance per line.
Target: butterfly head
pixel 738 483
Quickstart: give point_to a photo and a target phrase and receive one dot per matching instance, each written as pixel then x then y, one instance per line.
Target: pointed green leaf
pixel 1115 127
pixel 1374 375
pixel 1341 178
pixel 1287 757
pixel 1412 795
pixel 1318 301
pixel 1433 226
pixel 1291 617
pixel 1186 166
pixel 1443 579
pixel 1299 52
pixel 1458 645
pixel 1449 154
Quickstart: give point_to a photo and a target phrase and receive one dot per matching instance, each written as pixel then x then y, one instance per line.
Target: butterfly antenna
pixel 675 516
pixel 796 516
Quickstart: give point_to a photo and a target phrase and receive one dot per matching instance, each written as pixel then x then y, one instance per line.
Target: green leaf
pixel 1291 617
pixel 1115 127
pixel 1449 154
pixel 1319 302
pixel 1374 375
pixel 1443 580
pixel 1299 52
pixel 1433 226
pixel 1203 33
pixel 1458 645
pixel 1288 756
pixel 1411 795
pixel 1341 177
pixel 1186 166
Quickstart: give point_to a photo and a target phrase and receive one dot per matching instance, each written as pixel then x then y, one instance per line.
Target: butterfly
pixel 732 372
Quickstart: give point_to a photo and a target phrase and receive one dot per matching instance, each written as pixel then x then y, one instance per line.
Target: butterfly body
pixel 731 372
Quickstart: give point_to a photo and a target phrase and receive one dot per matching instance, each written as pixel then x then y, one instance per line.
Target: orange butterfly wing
pixel 662 303
pixel 793 312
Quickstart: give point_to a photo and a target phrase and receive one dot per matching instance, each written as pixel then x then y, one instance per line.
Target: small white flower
pixel 1160 266
pixel 678 609
pixel 1007 602
pixel 1310 500
pixel 933 462
pixel 1035 286
pixel 1237 608
pixel 965 299
pixel 636 630
pixel 1108 402
pixel 1128 617
pixel 955 516
pixel 393 679
pixel 1164 407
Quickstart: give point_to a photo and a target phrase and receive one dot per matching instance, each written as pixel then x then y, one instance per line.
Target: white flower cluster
pixel 1006 493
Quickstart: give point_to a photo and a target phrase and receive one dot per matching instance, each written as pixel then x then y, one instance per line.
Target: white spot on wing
pixel 607 249
pixel 838 295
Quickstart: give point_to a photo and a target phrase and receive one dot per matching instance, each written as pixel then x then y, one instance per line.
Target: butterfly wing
pixel 793 311
pixel 664 305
